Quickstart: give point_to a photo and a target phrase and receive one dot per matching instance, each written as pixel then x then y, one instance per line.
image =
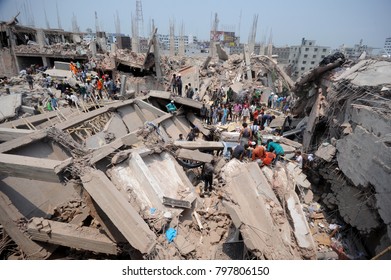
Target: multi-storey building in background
pixel 306 56
pixel 387 46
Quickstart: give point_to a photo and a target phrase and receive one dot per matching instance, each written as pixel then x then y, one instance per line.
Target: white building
pixel 164 40
pixel 306 56
pixel 387 46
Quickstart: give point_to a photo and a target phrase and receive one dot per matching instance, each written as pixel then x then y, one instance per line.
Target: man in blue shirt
pixel 275 148
pixel 171 108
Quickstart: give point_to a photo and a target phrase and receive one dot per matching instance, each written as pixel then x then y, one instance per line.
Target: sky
pixel 329 22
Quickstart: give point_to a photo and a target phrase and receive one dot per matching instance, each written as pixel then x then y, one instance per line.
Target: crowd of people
pixel 89 87
pixel 254 115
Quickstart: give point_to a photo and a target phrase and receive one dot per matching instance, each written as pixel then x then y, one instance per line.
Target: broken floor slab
pixel 9 105
pixel 10 219
pixel 326 151
pixel 69 235
pixel 194 155
pixel 179 100
pixel 200 145
pixel 253 215
pixel 120 212
pixel 284 184
pixel 7 134
pixel 32 168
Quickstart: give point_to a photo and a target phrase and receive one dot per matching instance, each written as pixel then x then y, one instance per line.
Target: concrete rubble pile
pixel 348 131
pixel 109 179
pixel 66 49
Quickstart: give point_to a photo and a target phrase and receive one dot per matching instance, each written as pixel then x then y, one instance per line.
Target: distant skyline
pixel 331 23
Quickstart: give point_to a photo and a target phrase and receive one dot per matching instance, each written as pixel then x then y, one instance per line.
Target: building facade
pixel 282 54
pixel 306 57
pixel 387 46
pixel 164 40
pixel 353 53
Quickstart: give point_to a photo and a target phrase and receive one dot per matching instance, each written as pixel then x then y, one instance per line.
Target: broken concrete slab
pixel 376 73
pixel 170 176
pixel 32 168
pixel 194 155
pixel 251 215
pixel 316 111
pixel 9 219
pixel 221 52
pixel 198 123
pixel 69 235
pixel 291 143
pixel 9 106
pixel 286 189
pixel 200 145
pixel 7 134
pixel 230 136
pixel 59 73
pixel 184 246
pixel 179 100
pixel 37 120
pixel 237 87
pixel 176 202
pixel 278 122
pixel 121 213
pixel 326 151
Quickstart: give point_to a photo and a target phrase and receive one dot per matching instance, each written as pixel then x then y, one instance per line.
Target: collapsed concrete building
pixel 348 130
pixel 109 180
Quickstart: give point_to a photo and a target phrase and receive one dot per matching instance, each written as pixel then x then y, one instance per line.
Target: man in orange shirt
pixel 99 87
pixel 269 157
pixel 259 153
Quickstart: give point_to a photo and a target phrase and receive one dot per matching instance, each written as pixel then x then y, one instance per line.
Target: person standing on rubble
pixel 191 136
pixel 203 112
pixel 274 101
pixel 53 102
pixel 89 88
pixel 99 87
pixel 30 81
pixel 210 115
pixel 299 159
pixel 245 134
pixel 225 115
pixel 245 113
pixel 207 175
pixel 269 100
pixel 190 91
pixel 215 115
pixel 236 112
pixel 230 94
pixel 179 85
pixel 173 85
